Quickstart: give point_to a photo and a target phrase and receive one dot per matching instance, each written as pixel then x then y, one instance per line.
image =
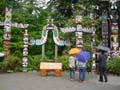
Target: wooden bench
pixel 46 67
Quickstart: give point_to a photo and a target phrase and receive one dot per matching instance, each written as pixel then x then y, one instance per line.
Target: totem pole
pixel 49 27
pixel 25 50
pixel 7 30
pixel 114 28
pixel 26 43
pixel 78 33
pixel 79 41
pixel 105 33
pixel 7 36
pixel 93 48
pixel 110 28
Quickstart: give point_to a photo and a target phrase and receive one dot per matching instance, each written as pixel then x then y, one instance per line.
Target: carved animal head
pixel 8 14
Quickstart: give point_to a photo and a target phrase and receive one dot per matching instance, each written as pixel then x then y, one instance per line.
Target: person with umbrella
pixel 102 66
pixel 82 57
pixel 72 61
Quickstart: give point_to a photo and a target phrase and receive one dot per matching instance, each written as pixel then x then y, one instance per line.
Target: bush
pixel 113 66
pixel 64 60
pixel 18 54
pixel 34 62
pixel 1 66
pixel 89 65
pixel 65 63
pixel 12 64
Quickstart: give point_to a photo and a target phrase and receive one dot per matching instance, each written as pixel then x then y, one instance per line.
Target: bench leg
pixel 43 72
pixel 57 73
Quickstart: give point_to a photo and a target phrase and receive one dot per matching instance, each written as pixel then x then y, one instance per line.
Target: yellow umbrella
pixel 74 51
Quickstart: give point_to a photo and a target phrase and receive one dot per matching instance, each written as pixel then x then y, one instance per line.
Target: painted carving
pixel 49 27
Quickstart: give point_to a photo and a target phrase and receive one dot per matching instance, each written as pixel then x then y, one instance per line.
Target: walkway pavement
pixel 32 81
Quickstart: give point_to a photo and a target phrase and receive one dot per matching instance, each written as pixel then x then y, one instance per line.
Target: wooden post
pixel 43 50
pixel 56 53
pixel 93 47
pixel 25 50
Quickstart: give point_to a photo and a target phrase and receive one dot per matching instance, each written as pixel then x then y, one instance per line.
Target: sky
pixel 47 0
pixel 42 3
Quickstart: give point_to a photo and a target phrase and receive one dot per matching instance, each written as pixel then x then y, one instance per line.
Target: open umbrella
pixel 83 56
pixel 73 51
pixel 101 47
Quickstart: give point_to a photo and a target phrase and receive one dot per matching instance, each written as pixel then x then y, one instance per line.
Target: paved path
pixel 32 81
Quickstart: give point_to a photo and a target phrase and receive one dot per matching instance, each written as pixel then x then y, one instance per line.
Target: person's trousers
pixel 82 71
pixel 72 74
pixel 102 71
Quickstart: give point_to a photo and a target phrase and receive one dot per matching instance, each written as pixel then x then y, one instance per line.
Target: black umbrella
pixel 100 47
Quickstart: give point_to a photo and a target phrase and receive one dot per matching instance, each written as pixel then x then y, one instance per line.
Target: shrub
pixel 113 66
pixel 12 63
pixel 18 54
pixel 1 66
pixel 88 65
pixel 34 62
pixel 64 60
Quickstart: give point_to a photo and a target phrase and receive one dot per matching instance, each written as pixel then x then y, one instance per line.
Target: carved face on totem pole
pixel 8 15
pixel 113 4
pixel 7 22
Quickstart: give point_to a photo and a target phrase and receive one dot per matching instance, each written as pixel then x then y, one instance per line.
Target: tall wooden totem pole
pixel 7 36
pixel 114 27
pixel 110 28
pixel 7 30
pixel 79 30
pixel 105 32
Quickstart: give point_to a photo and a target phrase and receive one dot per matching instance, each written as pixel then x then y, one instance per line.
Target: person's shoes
pixel 100 81
pixel 72 79
pixel 106 81
pixel 81 81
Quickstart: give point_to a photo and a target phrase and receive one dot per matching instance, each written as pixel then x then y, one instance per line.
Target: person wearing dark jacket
pixel 102 66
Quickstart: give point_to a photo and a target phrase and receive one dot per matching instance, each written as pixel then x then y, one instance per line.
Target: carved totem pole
pixel 7 36
pixel 114 27
pixel 47 28
pixel 79 40
pixel 7 30
pixel 110 28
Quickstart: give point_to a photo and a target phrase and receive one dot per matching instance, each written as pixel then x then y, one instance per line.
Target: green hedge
pixel 64 60
pixel 12 64
pixel 88 65
pixel 1 66
pixel 34 62
pixel 113 66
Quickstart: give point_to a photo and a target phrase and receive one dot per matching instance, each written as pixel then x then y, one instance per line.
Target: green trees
pixel 28 12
